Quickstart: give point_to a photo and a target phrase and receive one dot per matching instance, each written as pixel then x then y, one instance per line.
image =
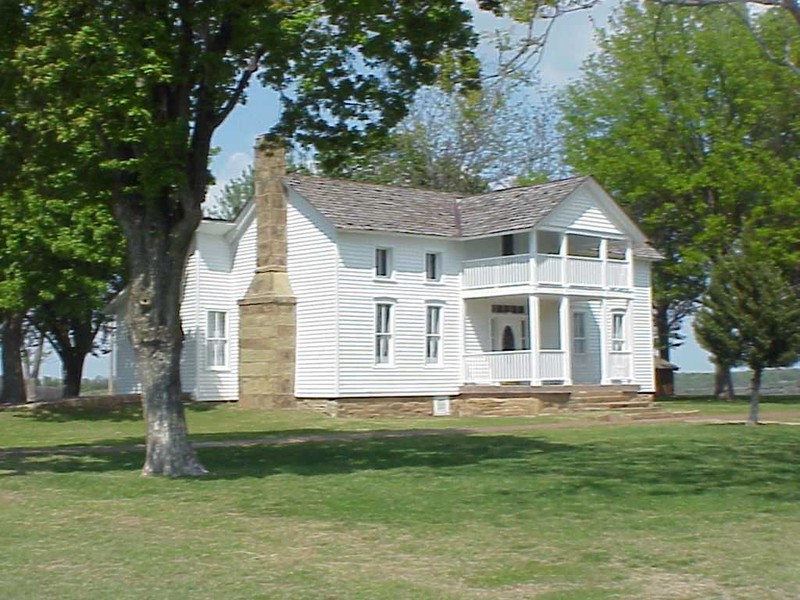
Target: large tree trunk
pixel 72 372
pixel 157 262
pixel 755 390
pixel 13 381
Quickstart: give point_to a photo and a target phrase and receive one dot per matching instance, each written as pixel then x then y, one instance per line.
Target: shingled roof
pixel 513 208
pixel 360 206
pixel 372 207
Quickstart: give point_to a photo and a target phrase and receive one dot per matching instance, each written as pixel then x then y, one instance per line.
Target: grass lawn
pixel 632 511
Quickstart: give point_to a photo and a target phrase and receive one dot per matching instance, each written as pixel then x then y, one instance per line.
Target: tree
pixel 682 121
pixel 462 142
pixel 786 54
pixel 138 87
pixel 234 195
pixel 750 315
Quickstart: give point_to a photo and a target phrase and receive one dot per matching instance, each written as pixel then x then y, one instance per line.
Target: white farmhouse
pixel 403 298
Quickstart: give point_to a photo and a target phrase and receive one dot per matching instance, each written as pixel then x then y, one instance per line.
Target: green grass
pixel 656 511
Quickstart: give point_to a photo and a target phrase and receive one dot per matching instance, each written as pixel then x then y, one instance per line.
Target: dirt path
pixel 786 418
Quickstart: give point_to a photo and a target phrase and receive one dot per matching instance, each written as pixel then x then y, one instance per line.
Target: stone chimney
pixel 267 311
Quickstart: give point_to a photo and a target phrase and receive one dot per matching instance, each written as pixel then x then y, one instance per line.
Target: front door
pixel 509 332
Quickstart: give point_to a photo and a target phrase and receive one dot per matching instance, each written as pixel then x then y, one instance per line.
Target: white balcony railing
pixel 585 271
pixel 619 366
pixel 497 367
pixel 501 271
pixel 550 268
pixel 497 272
pixel 617 274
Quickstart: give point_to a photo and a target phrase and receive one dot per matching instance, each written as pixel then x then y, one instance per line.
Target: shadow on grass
pixel 63 413
pixel 679 465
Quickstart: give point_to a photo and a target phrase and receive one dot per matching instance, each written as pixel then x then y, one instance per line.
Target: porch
pixel 549 259
pixel 547 340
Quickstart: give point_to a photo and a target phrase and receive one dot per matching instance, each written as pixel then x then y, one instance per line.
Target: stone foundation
pixel 460 406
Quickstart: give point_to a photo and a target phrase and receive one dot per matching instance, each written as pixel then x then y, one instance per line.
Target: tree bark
pixel 723 382
pixel 157 261
pixel 13 381
pixel 755 389
pixel 72 373
pixel 661 319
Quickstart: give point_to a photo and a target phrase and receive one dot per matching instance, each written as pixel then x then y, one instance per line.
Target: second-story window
pixel 383 262
pixel 507 245
pixel 433 267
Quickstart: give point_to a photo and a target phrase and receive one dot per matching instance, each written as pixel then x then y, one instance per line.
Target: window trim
pixel 388 334
pixel 389 266
pixel 225 339
pixel 438 335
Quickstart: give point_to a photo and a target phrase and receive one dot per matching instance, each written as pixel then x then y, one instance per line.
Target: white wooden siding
pixel 642 326
pixel 127 380
pixel 477 325
pixel 358 292
pixel 582 211
pixel 312 265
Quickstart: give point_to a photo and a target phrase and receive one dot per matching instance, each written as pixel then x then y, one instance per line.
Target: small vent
pixel 441 406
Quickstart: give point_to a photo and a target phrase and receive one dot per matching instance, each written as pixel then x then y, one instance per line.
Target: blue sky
pixel 571 40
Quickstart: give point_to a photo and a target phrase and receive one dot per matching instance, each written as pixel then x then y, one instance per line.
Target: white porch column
pixel 565 321
pixel 534 264
pixel 604 328
pixel 534 338
pixel 604 257
pixel 562 251
pixel 629 260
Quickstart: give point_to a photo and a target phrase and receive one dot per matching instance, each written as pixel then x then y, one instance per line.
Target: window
pixel 433 269
pixel 433 334
pixel 507 245
pixel 383 333
pixel 618 332
pixel 579 332
pixel 383 262
pixel 216 340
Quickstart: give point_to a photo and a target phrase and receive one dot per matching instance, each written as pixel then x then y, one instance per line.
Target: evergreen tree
pixel 750 315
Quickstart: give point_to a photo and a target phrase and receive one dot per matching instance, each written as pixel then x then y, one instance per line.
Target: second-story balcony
pixel 549 270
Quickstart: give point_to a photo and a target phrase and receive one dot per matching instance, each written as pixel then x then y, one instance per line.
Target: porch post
pixel 562 251
pixel 604 257
pixel 629 260
pixel 565 321
pixel 534 338
pixel 604 326
pixel 534 264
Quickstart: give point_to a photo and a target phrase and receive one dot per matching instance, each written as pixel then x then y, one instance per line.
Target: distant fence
pixel 775 382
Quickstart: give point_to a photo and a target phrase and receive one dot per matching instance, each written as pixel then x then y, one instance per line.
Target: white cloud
pixel 230 169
